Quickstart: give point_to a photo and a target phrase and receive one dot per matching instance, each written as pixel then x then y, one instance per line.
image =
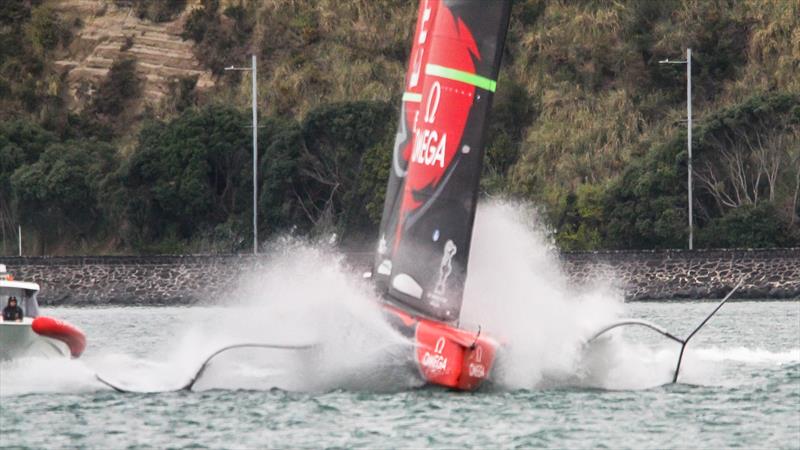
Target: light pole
pixel 255 150
pixel 688 63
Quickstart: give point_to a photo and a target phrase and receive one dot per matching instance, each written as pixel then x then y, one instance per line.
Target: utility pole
pixel 19 229
pixel 255 160
pixel 254 74
pixel 688 139
pixel 688 63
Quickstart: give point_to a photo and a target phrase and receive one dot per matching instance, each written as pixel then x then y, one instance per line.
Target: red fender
pixel 62 331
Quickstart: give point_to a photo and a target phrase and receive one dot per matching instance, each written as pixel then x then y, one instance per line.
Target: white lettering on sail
pixel 416 65
pixel 429 149
pixel 413 80
pixel 429 146
pixel 433 102
pixel 426 16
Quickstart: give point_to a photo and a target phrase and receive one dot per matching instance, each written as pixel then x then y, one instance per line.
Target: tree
pixel 328 173
pixel 58 194
pixel 21 143
pixel 745 150
pixel 337 138
pixel 750 226
pixel 121 85
pixel 187 176
pixel 45 30
pixel 646 206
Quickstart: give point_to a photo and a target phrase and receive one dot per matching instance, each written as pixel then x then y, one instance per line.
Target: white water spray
pixel 517 290
pixel 305 294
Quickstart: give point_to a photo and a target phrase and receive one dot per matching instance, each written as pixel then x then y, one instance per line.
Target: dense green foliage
pixel 191 178
pixel 155 10
pixel 586 124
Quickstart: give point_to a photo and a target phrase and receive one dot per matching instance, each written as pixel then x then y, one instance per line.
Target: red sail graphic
pixel 444 108
pixel 430 201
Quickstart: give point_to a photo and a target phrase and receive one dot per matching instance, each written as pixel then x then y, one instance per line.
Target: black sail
pixel 425 233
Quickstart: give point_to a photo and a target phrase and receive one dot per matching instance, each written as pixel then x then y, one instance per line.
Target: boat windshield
pixel 26 300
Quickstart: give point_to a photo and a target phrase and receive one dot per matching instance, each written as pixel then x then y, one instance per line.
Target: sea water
pixel 743 390
pixel 739 384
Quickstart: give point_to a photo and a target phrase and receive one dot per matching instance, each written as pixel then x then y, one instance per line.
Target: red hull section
pixel 445 355
pixel 62 331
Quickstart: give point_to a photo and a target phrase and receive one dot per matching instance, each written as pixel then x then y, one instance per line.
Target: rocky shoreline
pixel 697 274
pixel 188 279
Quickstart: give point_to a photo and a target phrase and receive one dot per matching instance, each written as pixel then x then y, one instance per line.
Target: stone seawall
pixel 684 274
pixel 641 275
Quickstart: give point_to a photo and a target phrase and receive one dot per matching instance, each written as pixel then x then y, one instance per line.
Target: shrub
pixel 121 85
pixel 59 193
pixel 185 176
pixel 157 10
pixel 219 39
pixel 45 29
pixel 750 226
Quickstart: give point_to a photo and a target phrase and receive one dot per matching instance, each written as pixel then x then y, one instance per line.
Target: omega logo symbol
pixel 439 348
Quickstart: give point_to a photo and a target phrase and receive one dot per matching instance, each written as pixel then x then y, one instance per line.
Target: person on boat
pixel 12 312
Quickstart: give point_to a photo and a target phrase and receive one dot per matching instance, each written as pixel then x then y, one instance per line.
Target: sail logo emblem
pixel 382 247
pixel 439 348
pixel 429 145
pixel 476 369
pixel 445 267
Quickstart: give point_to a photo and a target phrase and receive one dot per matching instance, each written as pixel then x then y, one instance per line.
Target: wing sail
pixel 423 249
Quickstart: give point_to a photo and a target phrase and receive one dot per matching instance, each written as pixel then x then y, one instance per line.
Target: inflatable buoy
pixel 62 331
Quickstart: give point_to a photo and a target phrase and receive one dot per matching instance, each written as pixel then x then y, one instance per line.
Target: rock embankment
pixel 684 274
pixel 641 275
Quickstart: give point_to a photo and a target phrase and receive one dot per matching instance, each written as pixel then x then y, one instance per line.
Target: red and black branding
pixel 437 157
pixel 445 355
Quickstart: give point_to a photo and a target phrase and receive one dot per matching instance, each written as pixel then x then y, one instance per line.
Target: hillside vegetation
pixel 142 155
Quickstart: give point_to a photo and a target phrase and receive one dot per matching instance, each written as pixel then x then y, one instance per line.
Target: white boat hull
pixel 17 340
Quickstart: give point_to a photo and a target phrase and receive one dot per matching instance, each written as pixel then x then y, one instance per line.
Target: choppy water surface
pixel 741 388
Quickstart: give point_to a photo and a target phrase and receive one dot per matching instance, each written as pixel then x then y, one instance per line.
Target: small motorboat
pixel 32 334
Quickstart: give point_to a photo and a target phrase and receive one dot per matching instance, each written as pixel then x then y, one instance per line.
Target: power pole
pixel 689 139
pixel 688 63
pixel 255 162
pixel 254 74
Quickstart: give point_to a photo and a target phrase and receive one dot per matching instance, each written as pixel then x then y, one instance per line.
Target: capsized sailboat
pixel 421 261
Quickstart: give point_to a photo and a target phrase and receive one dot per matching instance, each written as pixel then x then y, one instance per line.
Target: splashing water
pixel 305 294
pixel 516 289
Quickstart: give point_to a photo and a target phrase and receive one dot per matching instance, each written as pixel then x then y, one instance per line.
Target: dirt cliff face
pixel 107 31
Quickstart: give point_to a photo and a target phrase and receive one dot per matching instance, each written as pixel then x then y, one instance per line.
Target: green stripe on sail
pixel 412 97
pixel 460 75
